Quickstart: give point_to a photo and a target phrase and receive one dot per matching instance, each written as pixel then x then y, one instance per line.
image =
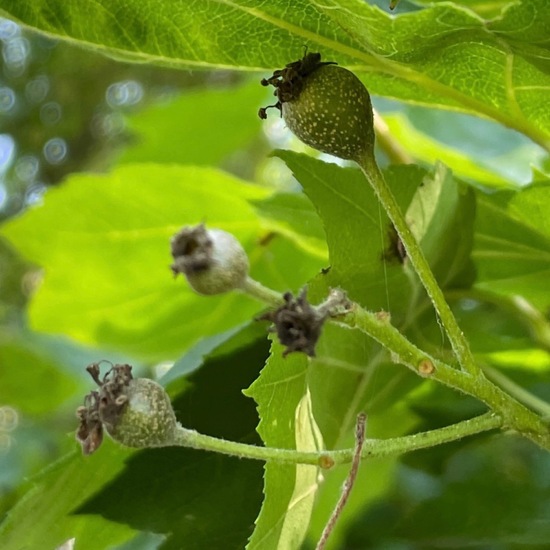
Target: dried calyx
pixel 136 412
pixel 325 105
pixel 298 324
pixel 212 260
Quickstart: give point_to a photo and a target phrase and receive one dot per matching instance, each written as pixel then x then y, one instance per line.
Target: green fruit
pixel 326 106
pixel 332 113
pixel 147 419
pixel 136 412
pixel 213 261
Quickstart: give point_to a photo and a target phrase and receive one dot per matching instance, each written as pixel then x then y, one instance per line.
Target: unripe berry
pixel 134 412
pixel 148 419
pixel 213 261
pixel 326 106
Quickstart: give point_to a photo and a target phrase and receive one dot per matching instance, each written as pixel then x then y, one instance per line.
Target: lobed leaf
pixel 103 241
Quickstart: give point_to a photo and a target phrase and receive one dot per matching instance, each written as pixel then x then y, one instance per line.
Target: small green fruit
pixel 332 113
pixel 148 419
pixel 326 106
pixel 213 261
pixel 135 412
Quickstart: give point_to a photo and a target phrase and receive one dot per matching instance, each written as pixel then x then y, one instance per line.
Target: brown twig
pixel 348 484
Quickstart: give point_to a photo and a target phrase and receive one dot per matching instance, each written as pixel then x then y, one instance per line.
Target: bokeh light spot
pixel 8 419
pixel 125 93
pixel 8 29
pixel 50 113
pixel 37 89
pixel 7 99
pixel 26 168
pixel 55 150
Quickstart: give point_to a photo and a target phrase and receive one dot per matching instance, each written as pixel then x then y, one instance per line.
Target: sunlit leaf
pixel 106 264
pixel 200 127
pixel 429 150
pixel 508 81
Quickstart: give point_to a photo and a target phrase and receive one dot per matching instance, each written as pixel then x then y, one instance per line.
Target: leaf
pixel 357 230
pixel 107 280
pixel 278 391
pixel 43 517
pixel 506 52
pixel 475 490
pixel 200 127
pixel 429 150
pixel 512 244
pixel 347 376
pixel 292 215
pixel 530 206
pixel 360 238
pixel 441 216
pixel 508 80
pixel 25 374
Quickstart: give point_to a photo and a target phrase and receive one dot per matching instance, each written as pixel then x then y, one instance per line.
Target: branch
pixel 373 448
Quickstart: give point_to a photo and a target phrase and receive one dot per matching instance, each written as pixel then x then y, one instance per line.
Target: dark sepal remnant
pixel 102 407
pixel 297 323
pixel 288 82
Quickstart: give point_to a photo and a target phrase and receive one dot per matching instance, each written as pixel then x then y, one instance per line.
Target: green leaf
pixel 198 500
pixel 292 215
pixel 359 235
pixel 278 392
pixel 475 490
pixel 358 231
pixel 441 215
pixel 107 280
pixel 200 127
pixel 530 206
pixel 429 150
pixel 43 517
pixel 347 375
pixel 25 373
pixel 508 80
pixel 512 244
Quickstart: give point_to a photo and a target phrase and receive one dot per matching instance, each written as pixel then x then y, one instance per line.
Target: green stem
pixel 261 293
pixel 378 326
pixel 414 253
pixel 514 414
pixel 373 448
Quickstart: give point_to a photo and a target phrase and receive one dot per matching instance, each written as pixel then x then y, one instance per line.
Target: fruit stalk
pixel 373 448
pixel 458 341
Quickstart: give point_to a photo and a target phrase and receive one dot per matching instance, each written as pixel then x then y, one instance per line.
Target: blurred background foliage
pixel 64 110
